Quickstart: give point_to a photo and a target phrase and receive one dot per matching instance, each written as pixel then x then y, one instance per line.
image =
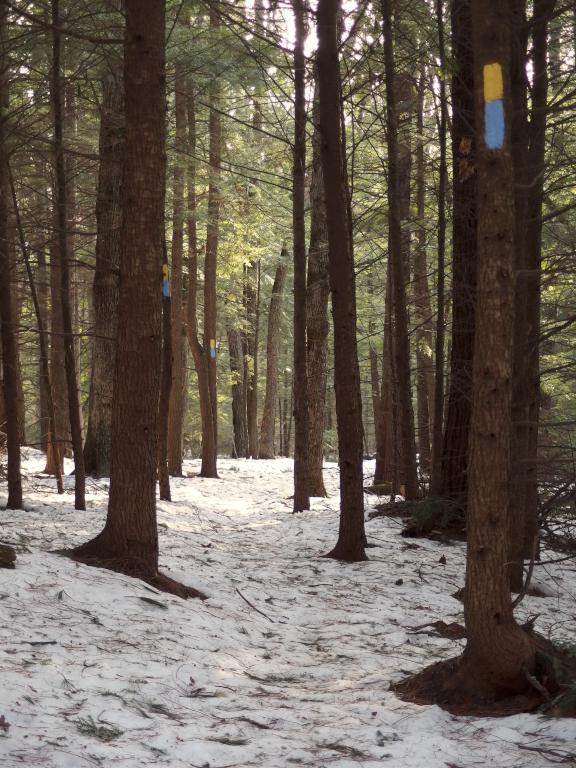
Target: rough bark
pixel 318 293
pixel 409 474
pixel 436 474
pixel 236 353
pixel 498 653
pixel 130 533
pixel 266 445
pixel 65 257
pixel 178 389
pixel 251 342
pixel 301 484
pixel 351 537
pixel 106 276
pixel 199 353
pixel 464 267
pixel 9 360
pixel 166 385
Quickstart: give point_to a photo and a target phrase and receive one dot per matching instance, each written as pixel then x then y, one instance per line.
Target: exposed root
pixel 137 569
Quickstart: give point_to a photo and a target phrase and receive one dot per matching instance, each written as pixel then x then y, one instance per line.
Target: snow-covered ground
pixel 97 669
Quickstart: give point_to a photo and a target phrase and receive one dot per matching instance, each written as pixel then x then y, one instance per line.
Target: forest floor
pixel 289 661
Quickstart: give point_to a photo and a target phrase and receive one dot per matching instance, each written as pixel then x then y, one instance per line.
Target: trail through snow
pixel 288 663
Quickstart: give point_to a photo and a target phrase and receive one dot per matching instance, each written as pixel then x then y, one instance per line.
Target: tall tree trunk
pixel 43 414
pixel 236 352
pixel 106 276
pixel 436 474
pixel 53 445
pixel 409 476
pixel 63 251
pixel 199 353
pixel 166 383
pixel 351 537
pixel 9 359
pixel 318 293
pixel 130 534
pixel 385 471
pixel 422 302
pixel 178 389
pixel 251 341
pixel 301 482
pixel 464 267
pixel 498 653
pixel 212 233
pixel 266 446
pixel 528 141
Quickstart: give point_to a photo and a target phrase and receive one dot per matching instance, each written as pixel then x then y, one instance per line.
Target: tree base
pixel 133 567
pixel 347 554
pixel 454 687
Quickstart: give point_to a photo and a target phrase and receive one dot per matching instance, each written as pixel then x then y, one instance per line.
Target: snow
pixel 98 669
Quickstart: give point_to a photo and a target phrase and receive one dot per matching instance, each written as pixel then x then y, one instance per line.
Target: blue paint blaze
pixel 494 124
pixel 166 289
pixel 212 352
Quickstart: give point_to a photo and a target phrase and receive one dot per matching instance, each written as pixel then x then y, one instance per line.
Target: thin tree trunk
pixel 301 481
pixel 436 474
pixel 424 333
pixel 409 477
pixel 9 362
pixel 384 471
pixel 212 234
pixel 178 389
pixel 200 355
pixel 166 383
pixel 106 277
pixel 251 371
pixel 53 445
pixel 236 353
pixel 318 293
pixel 62 224
pixel 464 267
pixel 266 447
pixel 351 537
pixel 130 535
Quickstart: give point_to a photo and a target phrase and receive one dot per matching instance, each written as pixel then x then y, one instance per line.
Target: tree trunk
pixel 436 474
pixel 422 302
pixel 409 476
pixel 464 268
pixel 301 481
pixel 251 340
pixel 385 471
pixel 199 353
pixel 63 252
pixel 166 384
pixel 178 389
pixel 9 361
pixel 318 293
pixel 351 538
pixel 266 447
pixel 498 653
pixel 212 233
pixel 106 277
pixel 130 533
pixel 236 352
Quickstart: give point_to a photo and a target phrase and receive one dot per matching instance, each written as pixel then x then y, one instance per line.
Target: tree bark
pixel 178 389
pixel 107 274
pixel 251 340
pixel 236 353
pixel 9 360
pixel 63 252
pixel 351 537
pixel 464 267
pixel 409 477
pixel 498 652
pixel 301 480
pixel 130 533
pixel 166 384
pixel 266 446
pixel 199 353
pixel 318 293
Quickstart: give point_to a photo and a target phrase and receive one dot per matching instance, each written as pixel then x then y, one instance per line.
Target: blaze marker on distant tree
pixel 493 106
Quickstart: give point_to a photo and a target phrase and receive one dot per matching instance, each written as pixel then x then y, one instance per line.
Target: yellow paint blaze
pixel 493 85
